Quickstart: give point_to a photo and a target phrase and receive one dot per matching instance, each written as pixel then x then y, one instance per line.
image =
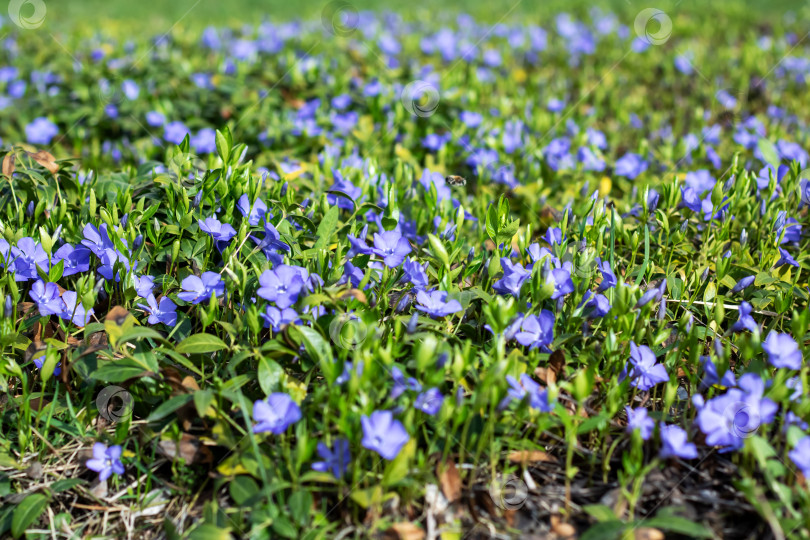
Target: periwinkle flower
pixel 384 434
pixel 105 461
pixel 415 273
pixel 275 414
pixel 76 260
pixel 335 460
pixel 630 166
pixel 743 284
pixel 553 236
pixel 800 455
pixel 608 277
pixel 782 351
pixel 46 297
pixel 28 255
pixel 644 368
pixel 220 232
pixel 401 383
pixel 430 401
pixel 638 419
pixel 675 443
pixel 97 240
pixel 711 377
pixel 199 289
pixel 786 258
pixel 41 131
pixel 281 285
pixel 164 311
pixel 561 279
pixel 143 285
pixel 392 247
pixel 745 321
pixel 536 330
pixel 74 310
pixel 275 318
pixel 527 387
pixel 254 213
pixel 514 275
pixel 435 303
pixel 596 305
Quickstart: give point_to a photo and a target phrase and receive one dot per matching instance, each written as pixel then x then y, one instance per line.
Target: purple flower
pixel 711 377
pixel 728 419
pixel 608 277
pixel 97 240
pixel 745 321
pixel 401 383
pixel 336 460
pixel 630 166
pixel 553 236
pixel 383 434
pixel 596 305
pixel 281 285
pixel 537 330
pixel 392 247
pixel 275 318
pixel 143 285
pixel 786 258
pixel 155 118
pixel 164 311
pixel 562 282
pixel 415 273
pixel 76 260
pixel 105 461
pixel 204 141
pixel 74 311
pixel 108 260
pixel 276 414
pixel 271 244
pixel 220 232
pixel 800 455
pixel 675 443
pixel 175 132
pixel 429 401
pixel 255 213
pixel 344 186
pixel 28 255
pixel 199 289
pixel 46 297
pixel 783 351
pixel 538 396
pixel 41 131
pixel 637 419
pixel 40 360
pixel 435 303
pixel 644 369
pixel 743 284
pixel 514 275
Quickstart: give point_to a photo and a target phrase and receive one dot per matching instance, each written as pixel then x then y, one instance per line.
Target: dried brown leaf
pixel 449 480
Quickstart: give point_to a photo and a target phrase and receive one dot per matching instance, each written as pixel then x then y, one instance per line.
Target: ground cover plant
pixel 376 275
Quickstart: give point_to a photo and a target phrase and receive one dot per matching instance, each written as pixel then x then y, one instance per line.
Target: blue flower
pixel 630 166
pixel 275 414
pixel 41 131
pixel 745 321
pixel 392 247
pixel 46 297
pixel 435 303
pixel 105 461
pixel 281 285
pixel 220 232
pixel 275 318
pixel 74 310
pixel 786 258
pixel 384 434
pixel 336 460
pixel 638 419
pixel 644 368
pixel 514 275
pixel 675 443
pixel 199 289
pixel 76 260
pixel 429 401
pixel 28 255
pixel 537 330
pixel 164 311
pixel 255 213
pixel 562 282
pixel 783 351
pixel 800 455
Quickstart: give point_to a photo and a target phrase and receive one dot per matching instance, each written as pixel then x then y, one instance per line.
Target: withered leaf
pixel 405 530
pixel 189 449
pixel 9 164
pixel 530 456
pixel 118 315
pixel 449 480
pixel 46 159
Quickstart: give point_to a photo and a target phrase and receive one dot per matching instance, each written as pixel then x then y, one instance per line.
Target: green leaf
pixel 242 488
pixel 327 228
pixel 270 374
pixel 300 504
pixel 319 350
pixel 208 531
pixel 200 344
pixel 223 148
pixel 769 153
pixel 27 513
pixel 66 484
pixel 438 249
pixel 677 525
pixel 168 407
pixel 600 512
pixel 505 235
pixel 119 370
pixel 606 530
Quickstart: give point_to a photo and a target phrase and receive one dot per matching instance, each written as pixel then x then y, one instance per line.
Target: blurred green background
pixel 156 16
